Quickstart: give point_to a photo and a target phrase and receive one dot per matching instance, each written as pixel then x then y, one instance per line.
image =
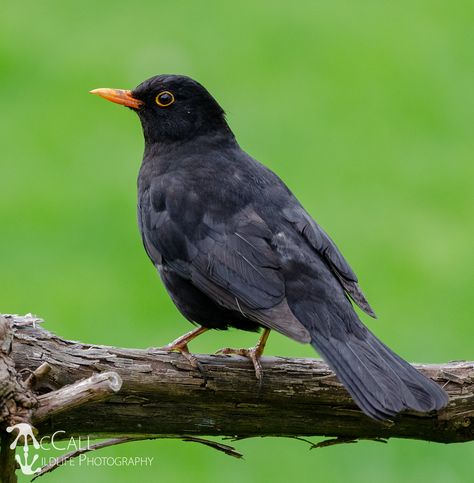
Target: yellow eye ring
pixel 164 99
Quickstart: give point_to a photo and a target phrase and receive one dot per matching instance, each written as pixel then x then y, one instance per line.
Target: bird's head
pixel 171 108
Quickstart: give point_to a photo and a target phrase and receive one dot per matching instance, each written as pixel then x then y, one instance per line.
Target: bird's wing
pixel 327 249
pixel 230 260
pixel 238 269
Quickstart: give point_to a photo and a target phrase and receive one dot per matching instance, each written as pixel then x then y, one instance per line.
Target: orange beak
pixel 119 96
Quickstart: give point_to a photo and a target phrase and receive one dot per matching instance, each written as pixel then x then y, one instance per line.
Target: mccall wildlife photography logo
pixel 25 431
pixel 77 446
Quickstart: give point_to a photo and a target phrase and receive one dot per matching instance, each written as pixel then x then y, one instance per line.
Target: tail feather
pixel 381 382
pixel 355 388
pixel 428 395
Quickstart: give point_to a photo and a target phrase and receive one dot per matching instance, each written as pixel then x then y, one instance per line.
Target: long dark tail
pixel 381 382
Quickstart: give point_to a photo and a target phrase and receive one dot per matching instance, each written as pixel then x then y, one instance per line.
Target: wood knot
pixel 466 422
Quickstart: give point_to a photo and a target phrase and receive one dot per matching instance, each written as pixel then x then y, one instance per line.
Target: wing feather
pixel 326 248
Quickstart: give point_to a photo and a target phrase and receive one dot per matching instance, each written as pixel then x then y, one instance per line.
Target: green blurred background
pixel 365 109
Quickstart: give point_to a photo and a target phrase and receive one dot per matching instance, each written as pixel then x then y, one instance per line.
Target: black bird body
pixel 247 236
pixel 235 248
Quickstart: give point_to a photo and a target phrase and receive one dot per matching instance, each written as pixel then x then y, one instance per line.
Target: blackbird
pixel 235 248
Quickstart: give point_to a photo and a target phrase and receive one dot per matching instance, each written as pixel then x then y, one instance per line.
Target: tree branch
pixel 7 460
pixel 16 402
pixel 86 391
pixel 163 395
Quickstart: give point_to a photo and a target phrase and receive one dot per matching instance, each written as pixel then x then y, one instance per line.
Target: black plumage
pixel 235 248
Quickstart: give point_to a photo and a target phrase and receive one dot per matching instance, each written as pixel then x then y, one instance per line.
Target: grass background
pixel 364 108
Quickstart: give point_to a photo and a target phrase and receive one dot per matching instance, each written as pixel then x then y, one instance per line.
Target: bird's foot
pixel 181 345
pixel 252 353
pixel 184 351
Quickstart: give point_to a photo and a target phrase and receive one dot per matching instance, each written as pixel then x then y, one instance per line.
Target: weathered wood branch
pixel 98 387
pixel 7 460
pixel 161 394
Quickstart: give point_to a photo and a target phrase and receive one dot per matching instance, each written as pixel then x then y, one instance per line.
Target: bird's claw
pixel 181 345
pixel 253 353
pixel 184 351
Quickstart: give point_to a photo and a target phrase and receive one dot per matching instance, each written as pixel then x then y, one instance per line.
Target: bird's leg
pixel 181 345
pixel 253 353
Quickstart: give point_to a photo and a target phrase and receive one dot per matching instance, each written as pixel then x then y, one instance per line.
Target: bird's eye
pixel 164 99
